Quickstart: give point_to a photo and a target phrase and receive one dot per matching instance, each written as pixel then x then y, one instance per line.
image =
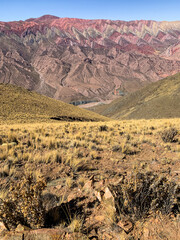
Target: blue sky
pixel 159 10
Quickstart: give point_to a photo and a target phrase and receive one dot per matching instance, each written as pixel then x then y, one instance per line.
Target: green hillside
pixel 157 100
pixel 20 105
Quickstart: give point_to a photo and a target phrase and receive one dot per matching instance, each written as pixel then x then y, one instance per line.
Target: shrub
pixel 116 148
pixel 144 193
pixel 23 205
pixel 103 128
pixel 169 135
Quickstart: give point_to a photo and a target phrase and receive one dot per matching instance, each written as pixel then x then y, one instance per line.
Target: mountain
pixel 20 105
pixel 76 59
pixel 157 100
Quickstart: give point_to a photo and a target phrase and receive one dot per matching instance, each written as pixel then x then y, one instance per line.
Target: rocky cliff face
pixel 76 59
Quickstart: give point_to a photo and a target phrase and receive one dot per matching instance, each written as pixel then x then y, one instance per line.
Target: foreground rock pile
pixel 99 210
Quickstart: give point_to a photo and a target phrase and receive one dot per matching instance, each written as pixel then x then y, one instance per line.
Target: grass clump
pixel 103 128
pixel 169 134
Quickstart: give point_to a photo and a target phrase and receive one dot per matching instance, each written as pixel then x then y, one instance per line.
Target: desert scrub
pixel 143 193
pixel 103 128
pixel 76 224
pixel 23 205
pixel 169 134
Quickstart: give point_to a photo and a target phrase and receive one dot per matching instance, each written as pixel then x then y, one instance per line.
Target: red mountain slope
pixel 77 59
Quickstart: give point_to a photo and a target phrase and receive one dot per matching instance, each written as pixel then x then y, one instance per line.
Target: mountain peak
pixel 47 17
pixel 42 18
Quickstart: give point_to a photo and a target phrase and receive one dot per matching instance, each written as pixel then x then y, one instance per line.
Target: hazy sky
pixel 91 9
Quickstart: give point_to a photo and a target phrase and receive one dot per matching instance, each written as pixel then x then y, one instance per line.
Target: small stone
pixel 126 225
pixel 2 226
pixel 88 186
pixel 107 236
pixel 108 194
pixel 99 218
pixel 98 195
pixel 146 233
pixel 21 228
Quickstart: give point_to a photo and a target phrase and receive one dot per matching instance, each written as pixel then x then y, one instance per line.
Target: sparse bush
pixel 23 204
pixel 129 149
pixel 116 148
pixel 12 138
pixel 76 224
pixel 143 193
pixel 169 135
pixel 103 128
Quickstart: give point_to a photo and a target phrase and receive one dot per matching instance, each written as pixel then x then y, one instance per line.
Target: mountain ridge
pixel 78 59
pixel 157 100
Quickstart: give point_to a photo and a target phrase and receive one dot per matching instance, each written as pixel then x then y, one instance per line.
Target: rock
pixel 21 228
pixel 2 226
pixel 4 145
pixel 104 195
pixel 75 236
pixel 107 236
pixel 3 230
pixel 126 225
pixel 99 218
pixel 45 234
pixel 146 233
pixel 11 144
pixel 12 236
pixel 99 195
pixel 88 186
pixel 108 194
pixel 93 235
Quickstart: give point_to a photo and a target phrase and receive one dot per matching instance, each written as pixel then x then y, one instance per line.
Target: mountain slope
pixel 77 59
pixel 157 100
pixel 20 105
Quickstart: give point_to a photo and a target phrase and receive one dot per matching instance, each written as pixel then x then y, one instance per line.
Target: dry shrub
pixel 103 128
pixel 23 204
pixel 169 135
pixel 145 193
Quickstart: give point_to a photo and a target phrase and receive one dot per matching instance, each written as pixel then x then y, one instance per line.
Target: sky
pixel 159 10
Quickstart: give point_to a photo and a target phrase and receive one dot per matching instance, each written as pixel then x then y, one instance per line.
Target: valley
pixel 89 129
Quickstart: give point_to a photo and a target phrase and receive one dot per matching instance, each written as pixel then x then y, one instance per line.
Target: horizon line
pixel 90 19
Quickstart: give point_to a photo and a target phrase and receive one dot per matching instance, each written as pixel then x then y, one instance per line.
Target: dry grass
pixel 67 155
pixel 157 100
pixel 83 145
pixel 18 105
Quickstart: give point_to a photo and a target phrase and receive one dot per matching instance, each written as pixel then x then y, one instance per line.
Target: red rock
pixel 118 51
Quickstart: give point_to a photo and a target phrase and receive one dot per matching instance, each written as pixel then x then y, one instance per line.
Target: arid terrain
pixel 18 105
pixel 106 180
pixel 157 100
pixel 87 60
pixel 111 172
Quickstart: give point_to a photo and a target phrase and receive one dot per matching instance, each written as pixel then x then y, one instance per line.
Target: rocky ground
pixel 113 180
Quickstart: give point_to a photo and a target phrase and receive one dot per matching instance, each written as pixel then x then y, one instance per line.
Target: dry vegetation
pixel 18 105
pixel 98 173
pixel 160 99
